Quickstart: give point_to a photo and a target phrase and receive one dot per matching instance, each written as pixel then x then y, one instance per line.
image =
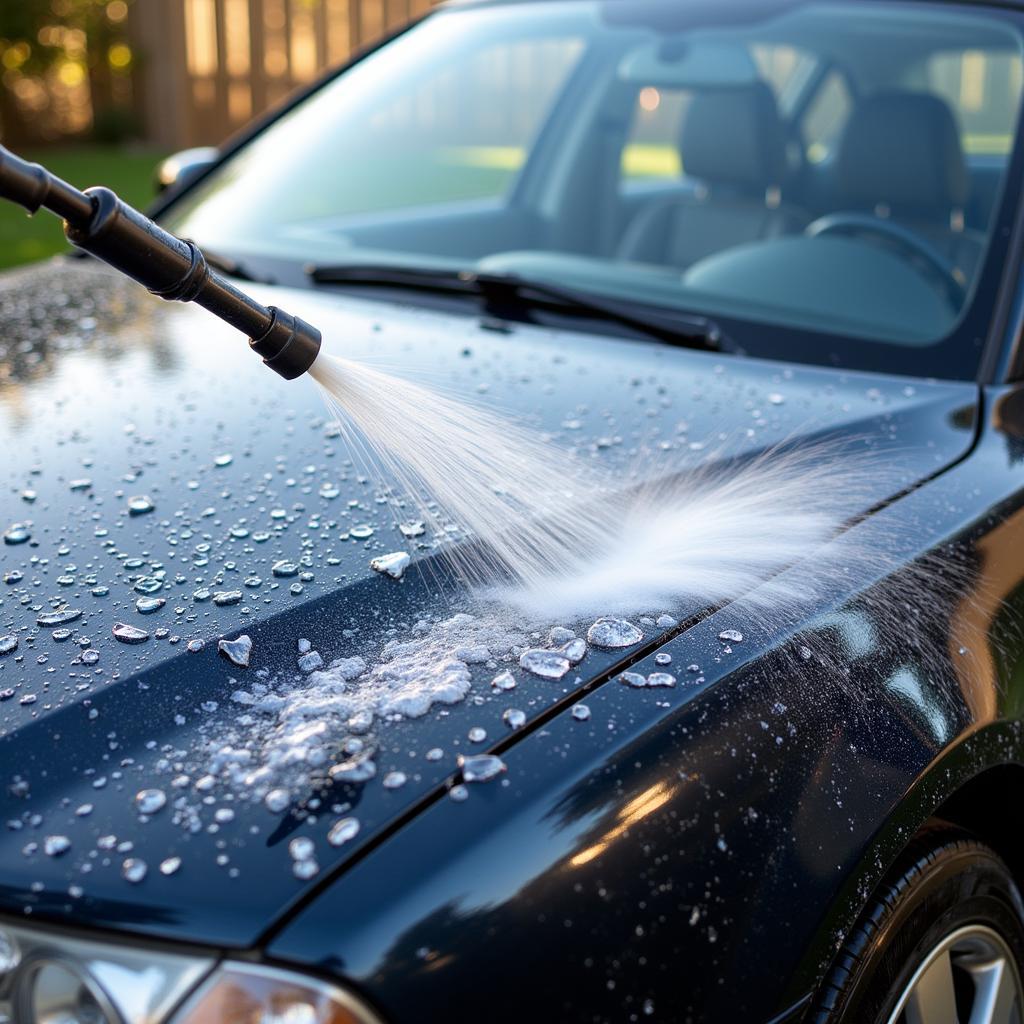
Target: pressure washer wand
pixel 99 222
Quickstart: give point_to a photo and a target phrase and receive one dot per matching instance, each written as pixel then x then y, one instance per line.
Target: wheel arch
pixel 965 787
pixel 981 806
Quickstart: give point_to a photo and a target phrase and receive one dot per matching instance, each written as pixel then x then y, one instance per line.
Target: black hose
pixel 100 223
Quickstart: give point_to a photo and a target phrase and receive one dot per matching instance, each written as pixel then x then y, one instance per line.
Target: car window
pixel 469 126
pixel 649 151
pixel 825 118
pixel 455 122
pixel 983 88
pixel 652 149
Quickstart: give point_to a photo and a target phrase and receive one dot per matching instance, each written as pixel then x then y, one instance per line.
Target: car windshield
pixel 823 178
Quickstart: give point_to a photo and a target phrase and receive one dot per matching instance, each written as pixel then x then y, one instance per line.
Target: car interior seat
pixel 900 158
pixel 734 142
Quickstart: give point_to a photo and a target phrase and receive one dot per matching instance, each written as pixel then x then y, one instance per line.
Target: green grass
pixel 128 172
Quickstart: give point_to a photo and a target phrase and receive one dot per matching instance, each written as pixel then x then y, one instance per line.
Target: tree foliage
pixel 64 65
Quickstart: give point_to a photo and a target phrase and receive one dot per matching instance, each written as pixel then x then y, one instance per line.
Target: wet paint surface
pixel 248 496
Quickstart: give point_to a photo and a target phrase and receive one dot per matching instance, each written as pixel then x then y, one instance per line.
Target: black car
pixel 246 778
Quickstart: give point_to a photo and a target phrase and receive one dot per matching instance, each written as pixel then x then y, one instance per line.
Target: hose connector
pixel 290 345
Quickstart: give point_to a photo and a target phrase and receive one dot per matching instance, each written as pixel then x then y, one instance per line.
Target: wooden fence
pixel 208 66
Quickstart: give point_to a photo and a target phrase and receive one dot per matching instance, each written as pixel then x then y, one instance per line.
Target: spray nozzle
pixel 100 223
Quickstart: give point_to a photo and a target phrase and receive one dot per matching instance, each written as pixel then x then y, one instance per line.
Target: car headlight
pixel 249 993
pixel 47 977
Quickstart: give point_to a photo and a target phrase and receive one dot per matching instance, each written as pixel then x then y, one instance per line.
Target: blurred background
pixel 101 90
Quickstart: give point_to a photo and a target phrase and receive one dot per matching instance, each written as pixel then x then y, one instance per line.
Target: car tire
pixel 941 935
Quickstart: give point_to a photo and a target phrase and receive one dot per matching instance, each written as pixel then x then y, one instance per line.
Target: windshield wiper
pixel 495 289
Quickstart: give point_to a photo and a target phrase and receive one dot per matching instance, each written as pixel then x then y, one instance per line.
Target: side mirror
pixel 181 168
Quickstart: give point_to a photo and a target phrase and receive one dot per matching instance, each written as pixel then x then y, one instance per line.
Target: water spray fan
pixel 105 226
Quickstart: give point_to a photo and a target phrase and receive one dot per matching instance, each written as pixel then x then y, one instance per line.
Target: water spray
pixel 100 223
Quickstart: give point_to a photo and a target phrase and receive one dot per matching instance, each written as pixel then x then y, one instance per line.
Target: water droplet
pixel 301 848
pixel 149 801
pixel 394 780
pixel 129 634
pixel 458 793
pixel 357 769
pixel 342 831
pixel 17 533
pixel 663 659
pixel 284 569
pixel 636 679
pixel 614 633
pixel 195 646
pixel 661 679
pixel 775 398
pixel 90 657
pixel 477 735
pixel 147 585
pixel 547 664
pixel 148 605
pixel 580 712
pixel 8 643
pixel 639 681
pixel 227 597
pixel 311 662
pixel 277 800
pixel 82 484
pixel 361 532
pixel 480 767
pixel 305 869
pixel 140 505
pixel 59 618
pixel 514 718
pixel 134 870
pixel 170 866
pixel 54 846
pixel 504 681
pixel 237 651
pixel 223 460
pixel 731 636
pixel 394 565
pixel 410 530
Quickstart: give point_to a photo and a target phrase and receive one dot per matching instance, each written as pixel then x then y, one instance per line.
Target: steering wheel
pixel 918 250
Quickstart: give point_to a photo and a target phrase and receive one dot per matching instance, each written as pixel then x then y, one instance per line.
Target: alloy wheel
pixel 970 977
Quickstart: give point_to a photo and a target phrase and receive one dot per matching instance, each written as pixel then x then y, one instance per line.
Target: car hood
pixel 135 774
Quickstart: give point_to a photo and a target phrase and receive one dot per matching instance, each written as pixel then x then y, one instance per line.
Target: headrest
pixel 734 136
pixel 903 149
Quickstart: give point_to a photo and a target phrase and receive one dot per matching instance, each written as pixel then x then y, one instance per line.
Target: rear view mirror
pixel 184 166
pixel 693 63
